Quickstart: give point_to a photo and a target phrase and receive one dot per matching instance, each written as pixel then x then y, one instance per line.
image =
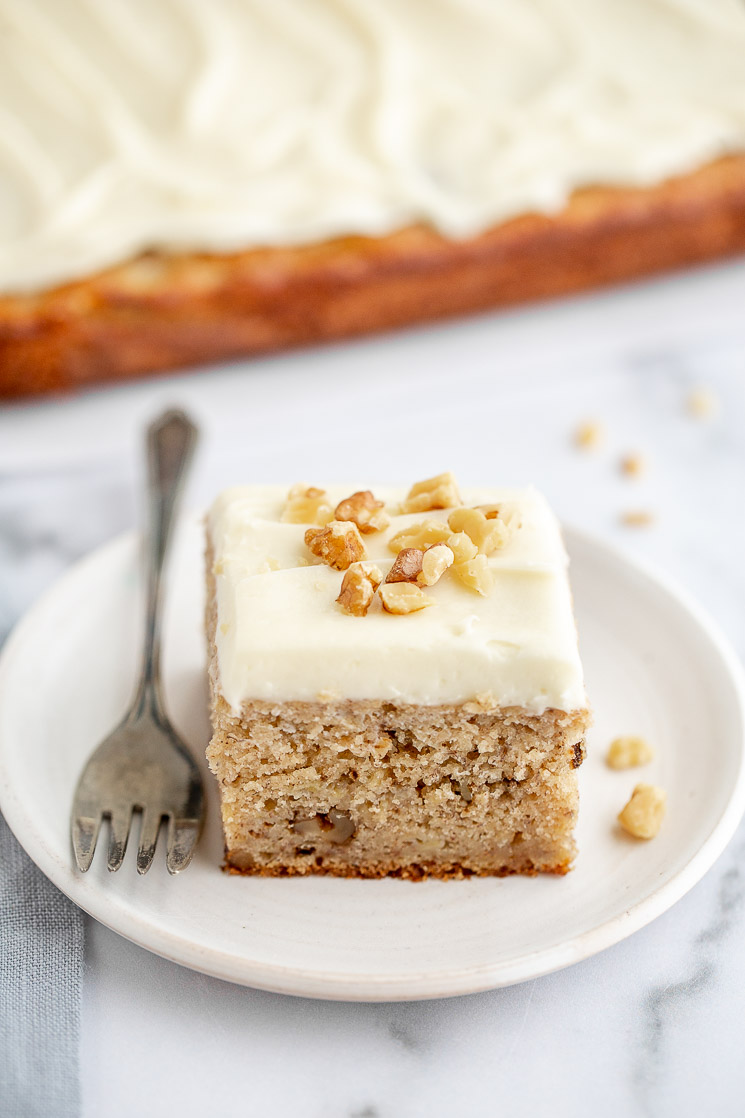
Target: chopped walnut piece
pixel 642 817
pixel 628 752
pixel 632 465
pixel 403 597
pixel 462 546
pixel 435 562
pixel 702 402
pixel 439 492
pixel 637 518
pixel 420 535
pixel 488 535
pixel 339 544
pixel 358 588
pixel 406 565
pixel 589 435
pixel 331 826
pixel 307 505
pixel 475 574
pixel 364 511
pixel 463 789
pixel 481 703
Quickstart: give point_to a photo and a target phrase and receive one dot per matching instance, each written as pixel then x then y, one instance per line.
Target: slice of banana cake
pixel 395 680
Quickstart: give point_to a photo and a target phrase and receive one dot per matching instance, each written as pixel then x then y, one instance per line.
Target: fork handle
pixel 171 440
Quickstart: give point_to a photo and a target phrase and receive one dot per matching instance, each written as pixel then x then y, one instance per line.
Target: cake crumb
pixel 328 696
pixel 633 465
pixel 482 702
pixel 702 402
pixel 643 814
pixel 589 435
pixel 628 751
pixel 637 518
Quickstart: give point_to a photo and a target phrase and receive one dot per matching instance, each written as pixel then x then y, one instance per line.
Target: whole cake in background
pixel 396 686
pixel 185 181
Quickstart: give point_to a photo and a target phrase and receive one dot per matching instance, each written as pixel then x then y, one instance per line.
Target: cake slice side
pixel 372 787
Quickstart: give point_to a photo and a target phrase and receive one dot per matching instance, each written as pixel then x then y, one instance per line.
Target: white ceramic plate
pixel 654 664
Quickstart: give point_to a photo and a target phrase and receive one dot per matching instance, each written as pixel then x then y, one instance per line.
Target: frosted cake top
pixel 387 598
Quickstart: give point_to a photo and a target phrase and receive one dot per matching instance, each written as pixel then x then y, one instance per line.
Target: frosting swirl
pixel 134 124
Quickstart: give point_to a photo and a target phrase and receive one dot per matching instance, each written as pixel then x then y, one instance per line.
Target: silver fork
pixel 143 766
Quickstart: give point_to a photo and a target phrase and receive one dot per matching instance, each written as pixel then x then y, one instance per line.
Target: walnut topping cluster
pixel 470 535
pixel 306 504
pixel 424 552
pixel 416 568
pixel 402 592
pixel 337 541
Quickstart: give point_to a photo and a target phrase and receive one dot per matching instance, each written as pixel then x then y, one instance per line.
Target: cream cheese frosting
pixel 281 636
pixel 134 124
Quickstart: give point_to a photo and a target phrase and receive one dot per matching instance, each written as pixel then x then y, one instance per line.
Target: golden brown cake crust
pixel 163 311
pixel 420 871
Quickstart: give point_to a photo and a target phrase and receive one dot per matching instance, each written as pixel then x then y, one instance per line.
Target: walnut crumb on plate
pixel 589 435
pixel 643 814
pixel 628 751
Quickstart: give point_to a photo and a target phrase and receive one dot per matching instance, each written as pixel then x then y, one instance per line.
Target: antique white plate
pixel 655 666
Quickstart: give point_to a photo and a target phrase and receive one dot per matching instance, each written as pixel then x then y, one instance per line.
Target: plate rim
pixel 304 982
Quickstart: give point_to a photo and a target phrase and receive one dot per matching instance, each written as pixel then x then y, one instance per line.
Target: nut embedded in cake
pixel 404 714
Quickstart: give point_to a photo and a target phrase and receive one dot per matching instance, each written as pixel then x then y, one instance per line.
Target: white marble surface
pixel 653 1026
